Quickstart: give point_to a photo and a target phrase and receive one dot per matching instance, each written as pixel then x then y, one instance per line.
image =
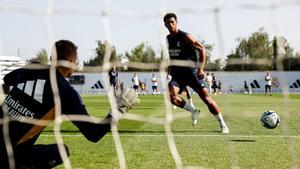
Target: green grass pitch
pixel 248 145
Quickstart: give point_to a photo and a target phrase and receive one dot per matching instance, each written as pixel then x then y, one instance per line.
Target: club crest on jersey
pixel 178 44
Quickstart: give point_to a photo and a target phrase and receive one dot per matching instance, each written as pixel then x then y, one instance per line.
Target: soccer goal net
pixel 252 57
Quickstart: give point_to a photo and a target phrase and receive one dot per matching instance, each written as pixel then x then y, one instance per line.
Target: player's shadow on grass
pixel 242 140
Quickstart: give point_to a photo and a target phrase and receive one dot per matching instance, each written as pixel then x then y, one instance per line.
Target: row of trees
pixel 143 53
pixel 258 52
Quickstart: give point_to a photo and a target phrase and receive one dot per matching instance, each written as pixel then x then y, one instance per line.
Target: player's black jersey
pixel 180 49
pixel 31 97
pixel 113 76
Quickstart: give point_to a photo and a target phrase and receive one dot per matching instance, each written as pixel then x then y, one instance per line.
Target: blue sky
pixel 25 31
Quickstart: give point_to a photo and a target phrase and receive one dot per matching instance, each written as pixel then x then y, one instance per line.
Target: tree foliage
pixel 142 53
pixel 257 47
pixel 291 62
pixel 258 52
pixel 41 57
pixel 211 65
pixel 100 53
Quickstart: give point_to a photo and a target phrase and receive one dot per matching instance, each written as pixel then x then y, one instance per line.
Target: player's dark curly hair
pixel 170 15
pixel 65 49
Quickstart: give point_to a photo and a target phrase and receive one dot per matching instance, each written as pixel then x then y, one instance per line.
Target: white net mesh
pixel 112 21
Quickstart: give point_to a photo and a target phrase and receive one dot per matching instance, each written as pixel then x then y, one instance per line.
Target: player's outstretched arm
pixel 94 131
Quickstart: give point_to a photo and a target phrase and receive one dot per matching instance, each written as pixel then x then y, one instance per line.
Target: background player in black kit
pixel 182 46
pixel 31 97
pixel 113 77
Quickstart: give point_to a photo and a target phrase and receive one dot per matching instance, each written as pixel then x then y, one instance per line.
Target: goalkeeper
pixel 31 98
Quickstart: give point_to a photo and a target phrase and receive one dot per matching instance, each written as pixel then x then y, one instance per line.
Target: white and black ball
pixel 270 119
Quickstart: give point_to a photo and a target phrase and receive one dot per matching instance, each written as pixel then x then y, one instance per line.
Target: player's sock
pixel 189 107
pixel 220 119
pixel 190 100
pixel 224 128
pixel 195 112
pixel 195 116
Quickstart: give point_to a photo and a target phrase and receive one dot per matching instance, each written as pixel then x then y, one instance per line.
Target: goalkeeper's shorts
pixel 36 156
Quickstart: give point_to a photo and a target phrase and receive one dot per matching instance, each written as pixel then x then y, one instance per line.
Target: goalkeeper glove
pixel 125 101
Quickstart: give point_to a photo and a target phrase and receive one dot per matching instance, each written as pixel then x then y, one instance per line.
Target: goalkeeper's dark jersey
pixel 180 49
pixel 31 97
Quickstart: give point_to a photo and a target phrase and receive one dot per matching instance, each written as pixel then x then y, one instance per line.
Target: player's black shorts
pixel 154 87
pixel 268 87
pixel 113 83
pixel 135 87
pixel 36 157
pixel 188 78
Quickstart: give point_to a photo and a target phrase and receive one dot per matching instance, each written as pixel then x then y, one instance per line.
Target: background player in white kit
pixel 268 86
pixel 154 81
pixel 208 81
pixel 136 82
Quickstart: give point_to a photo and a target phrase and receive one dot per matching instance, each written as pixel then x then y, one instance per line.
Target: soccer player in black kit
pixel 31 97
pixel 113 77
pixel 182 46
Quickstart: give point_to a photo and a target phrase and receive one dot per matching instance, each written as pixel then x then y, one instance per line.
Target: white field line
pixel 187 135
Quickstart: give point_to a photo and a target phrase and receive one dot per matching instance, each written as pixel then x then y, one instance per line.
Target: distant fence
pixel 232 82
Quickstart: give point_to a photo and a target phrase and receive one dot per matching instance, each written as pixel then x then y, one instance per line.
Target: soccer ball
pixel 270 119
